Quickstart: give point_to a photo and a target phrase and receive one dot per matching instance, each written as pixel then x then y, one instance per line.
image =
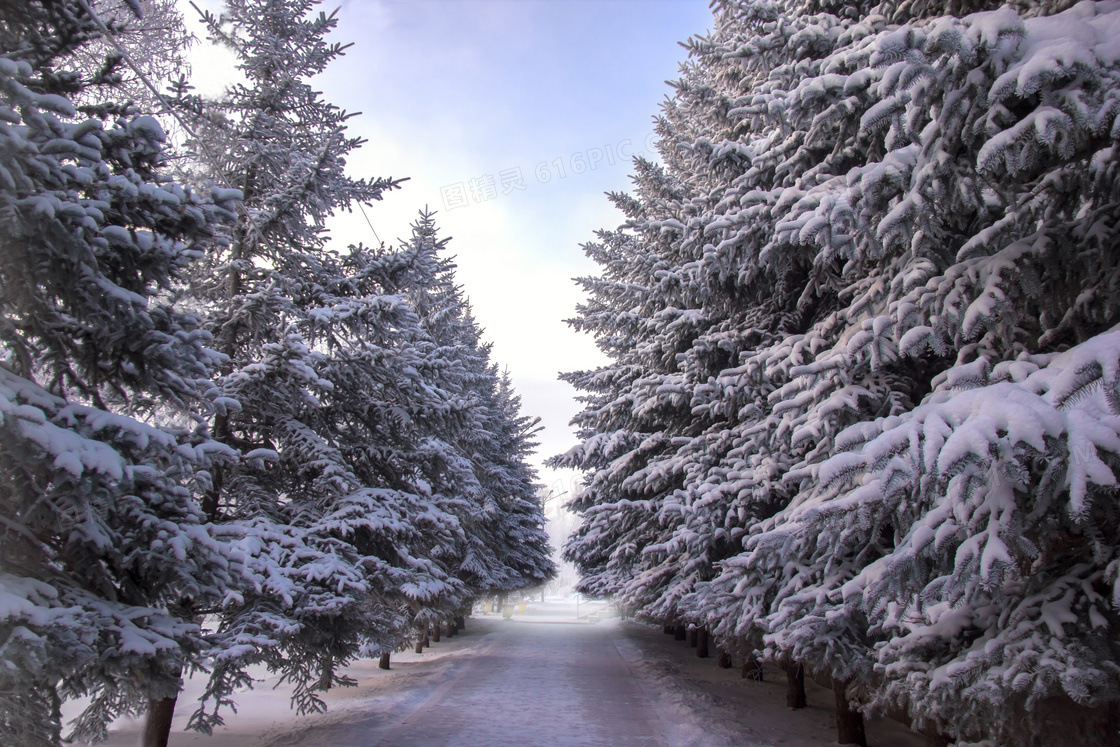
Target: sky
pixel 511 119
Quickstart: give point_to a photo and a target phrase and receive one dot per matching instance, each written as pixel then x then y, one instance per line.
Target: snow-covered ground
pixel 704 706
pixel 544 677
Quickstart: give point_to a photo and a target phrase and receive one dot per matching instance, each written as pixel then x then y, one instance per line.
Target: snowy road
pixel 537 683
pixel 543 678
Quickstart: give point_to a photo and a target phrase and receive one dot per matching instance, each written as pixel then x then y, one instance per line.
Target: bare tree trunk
pixel 724 661
pixel 460 623
pixel 384 662
pixel 157 726
pixel 702 643
pixel 435 633
pixel 752 670
pixel 450 629
pixel 849 722
pixel 680 633
pixel 669 629
pixel 692 637
pixel 795 685
pixel 421 636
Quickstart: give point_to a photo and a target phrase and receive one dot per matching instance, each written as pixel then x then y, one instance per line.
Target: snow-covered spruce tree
pixel 476 446
pixel 386 411
pixel 103 552
pixel 887 227
pixel 454 363
pixel 519 524
pixel 1025 276
pixel 156 41
pixel 285 496
pixel 637 408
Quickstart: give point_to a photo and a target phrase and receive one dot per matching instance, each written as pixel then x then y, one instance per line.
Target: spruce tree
pixel 103 385
pixel 476 444
pixel 153 35
pixel 858 413
pixel 289 493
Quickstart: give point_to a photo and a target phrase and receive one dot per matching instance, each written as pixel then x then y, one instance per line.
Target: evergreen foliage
pixel 312 603
pixel 152 34
pixel 859 411
pixel 103 384
pixel 228 444
pixel 358 381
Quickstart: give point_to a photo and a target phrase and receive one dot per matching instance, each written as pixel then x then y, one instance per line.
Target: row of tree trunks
pixel 430 634
pixel 849 721
pixel 422 639
pixel 697 638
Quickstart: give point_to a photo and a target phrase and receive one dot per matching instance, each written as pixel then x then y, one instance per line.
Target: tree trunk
pixel 724 661
pixel 692 635
pixel 384 662
pixel 752 670
pixel 157 726
pixel 849 722
pixel 435 633
pixel 450 629
pixel 795 685
pixel 680 633
pixel 211 499
pixel 669 629
pixel 421 637
pixel 702 643
pixel 460 623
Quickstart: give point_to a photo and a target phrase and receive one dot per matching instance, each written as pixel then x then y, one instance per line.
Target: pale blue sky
pixel 457 90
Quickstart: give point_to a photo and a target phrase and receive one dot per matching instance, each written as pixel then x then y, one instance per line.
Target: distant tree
pixel 476 452
pixel 519 525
